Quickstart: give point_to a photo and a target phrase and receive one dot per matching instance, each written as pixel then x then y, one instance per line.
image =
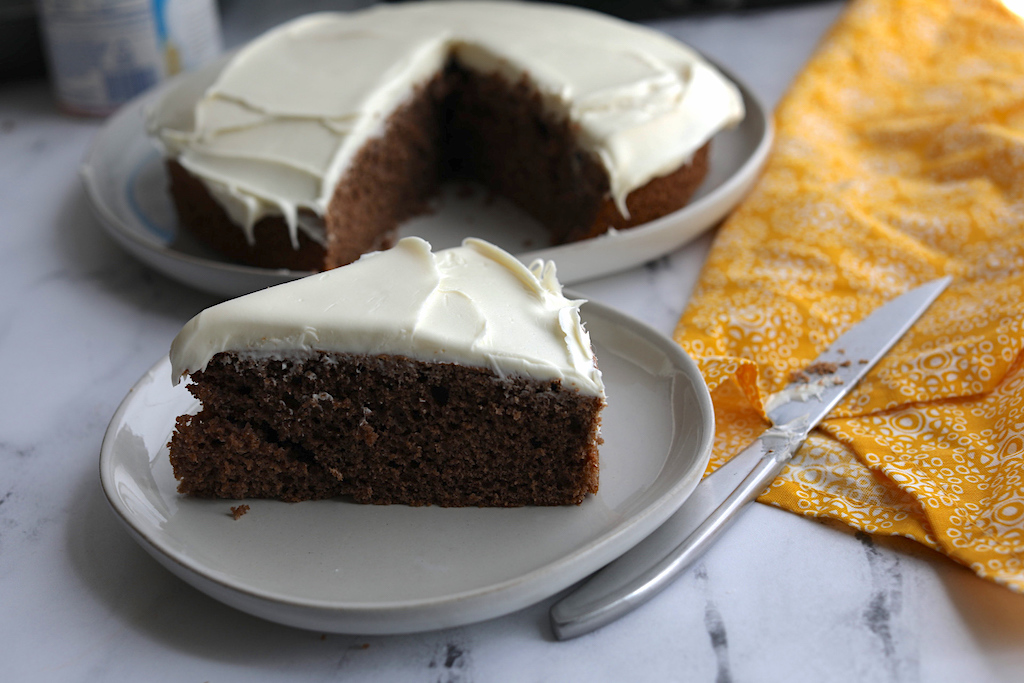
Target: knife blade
pixel 652 565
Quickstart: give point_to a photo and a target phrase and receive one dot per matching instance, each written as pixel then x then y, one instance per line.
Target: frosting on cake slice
pixel 472 305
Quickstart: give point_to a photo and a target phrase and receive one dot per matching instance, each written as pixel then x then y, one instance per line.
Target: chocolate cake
pixel 457 378
pixel 315 142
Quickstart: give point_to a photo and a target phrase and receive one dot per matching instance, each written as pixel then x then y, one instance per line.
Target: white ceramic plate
pixel 337 566
pixel 125 180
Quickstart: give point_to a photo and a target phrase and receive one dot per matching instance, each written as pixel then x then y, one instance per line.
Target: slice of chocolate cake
pixel 457 378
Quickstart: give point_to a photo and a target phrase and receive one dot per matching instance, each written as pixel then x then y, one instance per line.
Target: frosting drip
pixel 273 130
pixel 475 305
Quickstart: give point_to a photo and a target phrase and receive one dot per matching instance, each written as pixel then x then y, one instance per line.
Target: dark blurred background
pixel 22 52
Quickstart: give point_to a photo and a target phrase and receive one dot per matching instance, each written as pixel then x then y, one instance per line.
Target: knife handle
pixel 643 572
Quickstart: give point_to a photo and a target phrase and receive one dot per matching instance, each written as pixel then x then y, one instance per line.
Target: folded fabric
pixel 899 158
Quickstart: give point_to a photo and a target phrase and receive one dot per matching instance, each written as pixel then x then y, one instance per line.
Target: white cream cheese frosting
pixel 474 305
pixel 273 129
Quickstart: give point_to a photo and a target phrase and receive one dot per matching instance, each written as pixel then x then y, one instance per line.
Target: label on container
pixel 105 52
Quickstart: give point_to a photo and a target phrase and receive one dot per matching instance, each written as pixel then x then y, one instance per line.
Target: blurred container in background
pixel 102 53
pixel 21 52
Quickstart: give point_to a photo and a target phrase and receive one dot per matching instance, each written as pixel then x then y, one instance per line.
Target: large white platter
pixel 126 183
pixel 337 566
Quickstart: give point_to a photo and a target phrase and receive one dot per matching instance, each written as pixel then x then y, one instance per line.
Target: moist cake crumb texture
pixel 399 431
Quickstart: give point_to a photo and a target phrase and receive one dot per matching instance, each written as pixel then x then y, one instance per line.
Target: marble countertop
pixel 779 598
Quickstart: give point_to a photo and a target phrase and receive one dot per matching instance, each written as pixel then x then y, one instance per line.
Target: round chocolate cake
pixel 313 143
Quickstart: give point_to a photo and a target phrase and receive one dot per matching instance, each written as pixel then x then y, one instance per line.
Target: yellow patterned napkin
pixel 899 158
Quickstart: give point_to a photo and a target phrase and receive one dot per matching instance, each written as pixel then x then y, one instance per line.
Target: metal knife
pixel 649 567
